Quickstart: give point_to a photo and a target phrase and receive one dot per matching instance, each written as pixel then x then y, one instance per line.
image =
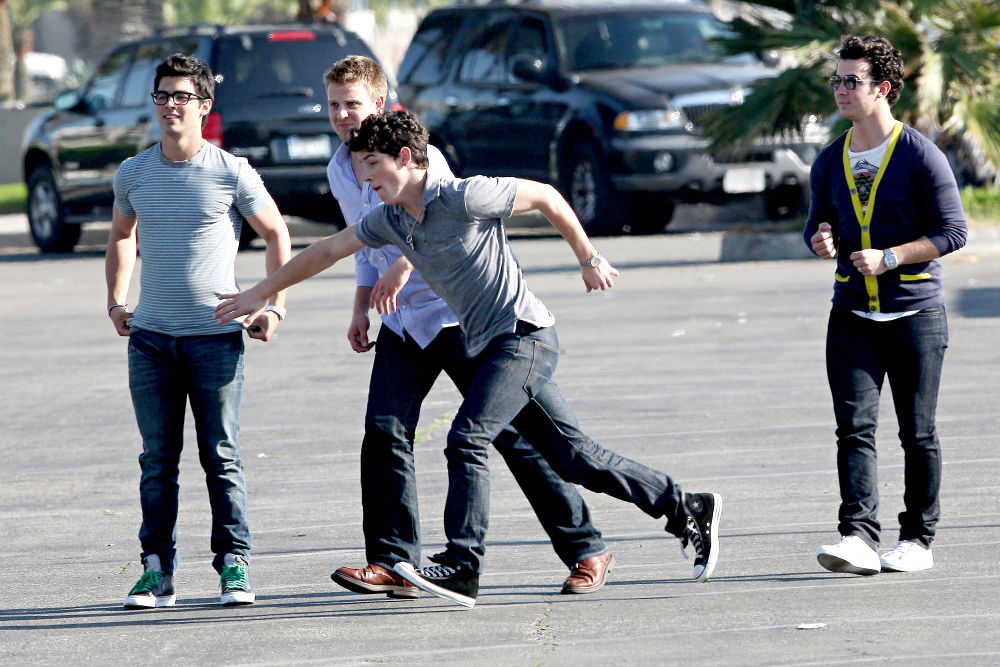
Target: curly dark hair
pixel 387 133
pixel 885 60
pixel 198 71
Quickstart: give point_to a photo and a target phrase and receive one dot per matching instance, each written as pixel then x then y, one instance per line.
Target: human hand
pixel 383 298
pixel 869 262
pixel 240 303
pixel 119 318
pixel 357 333
pixel 822 242
pixel 600 277
pixel 263 326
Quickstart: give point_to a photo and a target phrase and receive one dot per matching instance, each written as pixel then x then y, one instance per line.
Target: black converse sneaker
pixel 702 532
pixel 451 582
pixel 154 588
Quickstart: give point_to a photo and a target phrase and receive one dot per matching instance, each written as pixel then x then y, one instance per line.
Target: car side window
pixel 423 64
pixel 528 41
pixel 139 80
pixel 103 90
pixel 485 56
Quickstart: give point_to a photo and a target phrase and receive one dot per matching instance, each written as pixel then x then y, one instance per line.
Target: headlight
pixel 643 121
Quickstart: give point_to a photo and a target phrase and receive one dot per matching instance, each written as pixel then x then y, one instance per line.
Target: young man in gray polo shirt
pixel 451 230
pixel 179 203
pixel 419 339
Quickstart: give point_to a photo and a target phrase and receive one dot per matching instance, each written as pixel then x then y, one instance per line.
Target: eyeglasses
pixel 850 81
pixel 180 97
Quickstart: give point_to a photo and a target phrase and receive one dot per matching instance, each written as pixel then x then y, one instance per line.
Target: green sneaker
pixel 236 582
pixel 154 588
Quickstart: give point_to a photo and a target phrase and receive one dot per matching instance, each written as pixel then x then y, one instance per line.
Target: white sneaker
pixel 851 555
pixel 907 556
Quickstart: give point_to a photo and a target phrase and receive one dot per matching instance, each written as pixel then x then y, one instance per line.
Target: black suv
pixel 601 99
pixel 270 107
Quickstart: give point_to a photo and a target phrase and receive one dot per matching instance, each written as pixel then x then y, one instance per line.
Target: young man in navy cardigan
pixel 886 206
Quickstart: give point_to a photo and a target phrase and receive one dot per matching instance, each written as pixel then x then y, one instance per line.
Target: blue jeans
pixel 165 372
pixel 860 354
pixel 513 384
pixel 402 375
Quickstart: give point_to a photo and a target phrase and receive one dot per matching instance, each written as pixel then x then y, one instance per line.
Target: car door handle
pixel 142 120
pixel 503 101
pixel 99 122
pixel 451 101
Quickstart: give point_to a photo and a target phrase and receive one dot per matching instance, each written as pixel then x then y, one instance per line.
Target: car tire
pixel 650 214
pixel 587 188
pixel 47 214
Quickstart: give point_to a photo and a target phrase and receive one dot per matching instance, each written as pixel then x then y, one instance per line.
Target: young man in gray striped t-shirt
pixel 179 203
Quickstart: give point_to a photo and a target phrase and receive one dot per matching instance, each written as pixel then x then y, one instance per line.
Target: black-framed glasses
pixel 850 81
pixel 180 97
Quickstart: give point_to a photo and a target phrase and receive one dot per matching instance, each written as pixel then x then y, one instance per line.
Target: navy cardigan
pixel 916 197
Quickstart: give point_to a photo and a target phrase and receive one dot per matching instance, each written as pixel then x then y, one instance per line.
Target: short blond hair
pixel 358 69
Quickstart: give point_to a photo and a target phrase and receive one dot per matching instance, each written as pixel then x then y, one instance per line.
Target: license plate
pixel 308 148
pixel 738 181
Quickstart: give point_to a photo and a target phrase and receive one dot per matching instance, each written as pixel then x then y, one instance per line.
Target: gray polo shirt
pixel 460 248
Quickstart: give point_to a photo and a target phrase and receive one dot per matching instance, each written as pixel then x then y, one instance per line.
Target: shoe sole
pixel 356 586
pixel 567 590
pixel 237 598
pixel 407 571
pixel 713 540
pixel 891 568
pixel 837 564
pixel 143 602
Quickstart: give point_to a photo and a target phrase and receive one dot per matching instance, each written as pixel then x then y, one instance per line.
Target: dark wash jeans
pixel 860 354
pixel 402 375
pixel 512 384
pixel 165 372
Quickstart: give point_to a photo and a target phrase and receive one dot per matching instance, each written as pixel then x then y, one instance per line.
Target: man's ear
pixel 405 156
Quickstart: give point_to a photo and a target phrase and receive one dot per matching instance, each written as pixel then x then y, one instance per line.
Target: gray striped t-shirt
pixel 188 228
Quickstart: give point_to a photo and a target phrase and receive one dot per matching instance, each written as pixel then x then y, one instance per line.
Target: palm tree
pixel 6 55
pixel 951 49
pixel 117 21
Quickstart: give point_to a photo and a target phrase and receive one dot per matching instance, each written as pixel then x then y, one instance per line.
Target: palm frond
pixel 777 106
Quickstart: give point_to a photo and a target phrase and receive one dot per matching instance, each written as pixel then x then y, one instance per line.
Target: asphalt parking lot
pixel 712 371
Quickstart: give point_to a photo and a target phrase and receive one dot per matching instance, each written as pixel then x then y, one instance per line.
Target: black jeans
pixel 860 354
pixel 402 375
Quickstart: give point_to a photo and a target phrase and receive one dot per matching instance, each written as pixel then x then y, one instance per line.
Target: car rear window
pixel 638 39
pixel 287 63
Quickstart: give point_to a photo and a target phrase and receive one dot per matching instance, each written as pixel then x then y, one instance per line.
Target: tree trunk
pixel 117 21
pixel 6 56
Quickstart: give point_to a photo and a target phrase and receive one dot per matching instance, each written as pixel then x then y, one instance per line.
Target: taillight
pixel 212 132
pixel 292 36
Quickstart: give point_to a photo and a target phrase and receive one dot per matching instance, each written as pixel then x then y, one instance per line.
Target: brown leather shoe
pixel 375 579
pixel 588 575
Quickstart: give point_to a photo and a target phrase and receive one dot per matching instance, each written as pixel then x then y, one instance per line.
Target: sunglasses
pixel 850 81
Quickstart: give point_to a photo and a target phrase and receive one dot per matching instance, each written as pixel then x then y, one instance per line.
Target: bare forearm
pixel 318 257
pixel 362 299
pixel 914 252
pixel 278 253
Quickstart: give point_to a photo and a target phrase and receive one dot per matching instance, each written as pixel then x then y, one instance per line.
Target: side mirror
pixel 66 100
pixel 770 57
pixel 535 69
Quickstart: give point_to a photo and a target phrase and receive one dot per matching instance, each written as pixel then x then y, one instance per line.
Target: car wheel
pixel 784 201
pixel 650 214
pixel 47 214
pixel 588 190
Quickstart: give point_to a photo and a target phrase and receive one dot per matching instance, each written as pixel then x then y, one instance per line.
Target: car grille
pixel 696 112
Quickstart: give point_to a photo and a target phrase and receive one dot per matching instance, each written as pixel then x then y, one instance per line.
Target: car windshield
pixel 252 67
pixel 638 39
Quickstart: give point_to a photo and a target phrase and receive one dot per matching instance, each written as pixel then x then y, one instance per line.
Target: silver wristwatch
pixel 593 261
pixel 891 262
pixel 277 310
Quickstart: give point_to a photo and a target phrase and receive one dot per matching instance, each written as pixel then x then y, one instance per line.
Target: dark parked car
pixel 270 107
pixel 599 98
